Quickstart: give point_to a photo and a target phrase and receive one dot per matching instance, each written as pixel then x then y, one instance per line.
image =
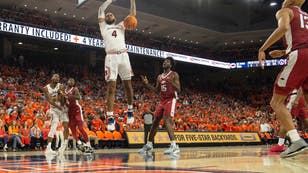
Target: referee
pixel 148 117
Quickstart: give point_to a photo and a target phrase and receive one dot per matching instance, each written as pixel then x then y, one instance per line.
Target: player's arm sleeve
pixel 101 11
pixel 132 8
pixel 101 15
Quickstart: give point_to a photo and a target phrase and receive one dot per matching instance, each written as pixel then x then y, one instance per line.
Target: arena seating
pixel 197 110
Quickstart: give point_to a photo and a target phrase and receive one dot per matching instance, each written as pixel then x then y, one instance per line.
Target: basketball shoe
pixel 277 148
pixel 295 148
pixel 173 149
pixel 146 148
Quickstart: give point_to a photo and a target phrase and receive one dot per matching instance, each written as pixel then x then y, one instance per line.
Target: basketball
pixel 130 22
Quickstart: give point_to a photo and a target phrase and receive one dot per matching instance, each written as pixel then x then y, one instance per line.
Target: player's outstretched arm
pixel 150 87
pixel 283 17
pixel 101 10
pixel 132 8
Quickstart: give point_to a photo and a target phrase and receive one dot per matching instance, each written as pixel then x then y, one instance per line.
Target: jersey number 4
pixel 114 33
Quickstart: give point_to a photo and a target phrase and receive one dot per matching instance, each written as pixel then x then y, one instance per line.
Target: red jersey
pixel 297 36
pixel 72 104
pixel 167 91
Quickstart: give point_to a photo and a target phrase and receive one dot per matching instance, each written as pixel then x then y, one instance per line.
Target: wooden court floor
pixel 190 160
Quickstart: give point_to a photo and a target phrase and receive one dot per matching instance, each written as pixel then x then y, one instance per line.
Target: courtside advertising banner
pixel 136 137
pixel 95 42
pixel 99 43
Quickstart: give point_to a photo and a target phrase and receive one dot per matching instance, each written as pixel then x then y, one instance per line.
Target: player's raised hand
pixel 277 53
pixel 261 58
pixel 144 80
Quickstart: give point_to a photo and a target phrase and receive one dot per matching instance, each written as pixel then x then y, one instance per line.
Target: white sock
pixel 5 146
pixel 49 145
pixel 173 143
pixel 65 142
pixel 293 135
pixel 150 143
pixel 281 141
pixel 88 144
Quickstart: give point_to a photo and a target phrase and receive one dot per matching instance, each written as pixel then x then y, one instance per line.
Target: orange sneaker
pixel 277 148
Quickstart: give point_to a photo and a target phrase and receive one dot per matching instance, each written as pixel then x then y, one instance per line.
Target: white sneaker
pixel 173 149
pixel 50 152
pixel 5 148
pixel 146 148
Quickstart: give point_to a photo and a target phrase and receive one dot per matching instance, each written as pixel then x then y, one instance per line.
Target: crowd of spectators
pixel 24 110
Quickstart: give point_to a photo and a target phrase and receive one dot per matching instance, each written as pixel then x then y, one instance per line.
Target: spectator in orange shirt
pixel 100 135
pixel 116 135
pixel 108 135
pixel 91 134
pixel 25 134
pixel 97 123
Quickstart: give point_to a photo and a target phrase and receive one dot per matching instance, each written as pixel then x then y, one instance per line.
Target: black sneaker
pixel 81 147
pixel 88 150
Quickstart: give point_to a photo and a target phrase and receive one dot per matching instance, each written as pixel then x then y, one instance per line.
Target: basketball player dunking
pixel 57 111
pixel 75 116
pixel 116 61
pixel 167 85
pixel 293 27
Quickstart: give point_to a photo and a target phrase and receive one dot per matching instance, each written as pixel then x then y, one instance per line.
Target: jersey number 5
pixel 114 33
pixel 163 88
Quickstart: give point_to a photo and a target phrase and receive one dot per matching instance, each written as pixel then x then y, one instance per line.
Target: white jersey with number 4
pixel 114 36
pixel 53 92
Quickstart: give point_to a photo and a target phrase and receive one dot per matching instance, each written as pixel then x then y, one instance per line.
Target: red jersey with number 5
pixel 167 91
pixel 72 104
pixel 297 36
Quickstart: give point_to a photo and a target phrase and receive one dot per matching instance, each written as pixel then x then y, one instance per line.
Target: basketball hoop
pixel 80 2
